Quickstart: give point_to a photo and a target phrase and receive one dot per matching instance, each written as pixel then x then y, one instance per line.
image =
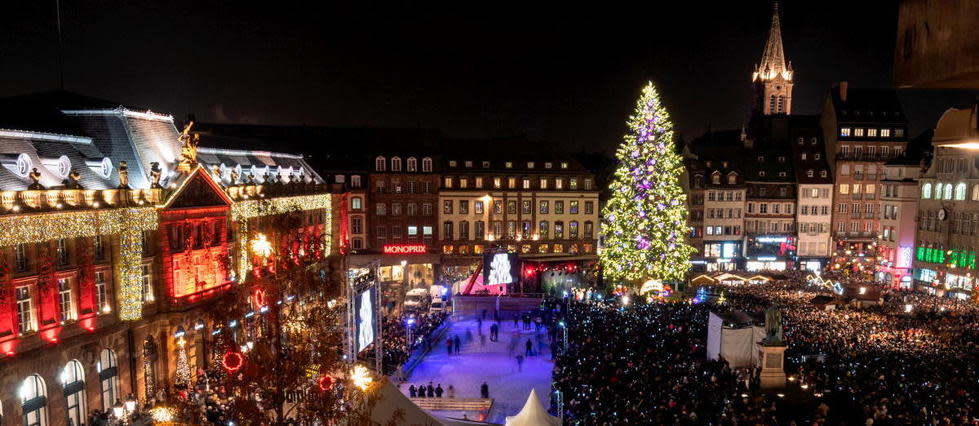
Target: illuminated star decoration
pixel 261 246
pixel 361 377
pixel 645 221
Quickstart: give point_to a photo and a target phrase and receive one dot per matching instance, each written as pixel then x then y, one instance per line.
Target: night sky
pixel 559 72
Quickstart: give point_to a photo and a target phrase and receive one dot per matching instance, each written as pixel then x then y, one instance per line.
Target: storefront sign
pixel 405 249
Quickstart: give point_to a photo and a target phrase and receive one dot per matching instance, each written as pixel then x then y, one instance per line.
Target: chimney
pixel 843 86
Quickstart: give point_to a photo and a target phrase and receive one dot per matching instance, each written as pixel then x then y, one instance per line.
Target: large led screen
pixel 364 305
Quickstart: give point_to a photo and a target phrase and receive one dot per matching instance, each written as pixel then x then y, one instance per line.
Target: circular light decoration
pixel 232 361
pixel 261 246
pixel 106 169
pixel 325 383
pixel 259 298
pixel 24 164
pixel 64 166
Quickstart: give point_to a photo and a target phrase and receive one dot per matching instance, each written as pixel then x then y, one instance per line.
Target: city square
pixel 222 213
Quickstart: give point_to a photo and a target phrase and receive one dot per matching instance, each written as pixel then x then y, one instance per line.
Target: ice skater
pixel 484 390
pixel 530 348
pixel 519 363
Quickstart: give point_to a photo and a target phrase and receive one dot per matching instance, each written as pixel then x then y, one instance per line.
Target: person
pixel 458 343
pixel 530 348
pixel 519 363
pixel 480 322
pixel 438 391
pixel 516 317
pixel 484 316
pixel 448 345
pixel 484 390
pixel 431 390
pixel 412 391
pixel 451 392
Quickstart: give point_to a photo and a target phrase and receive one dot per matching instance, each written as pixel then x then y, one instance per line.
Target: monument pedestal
pixel 772 359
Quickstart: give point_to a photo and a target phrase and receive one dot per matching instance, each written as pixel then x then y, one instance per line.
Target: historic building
pixel 864 128
pixel 118 230
pixel 898 220
pixel 948 208
pixel 544 207
pixel 815 192
pixel 772 78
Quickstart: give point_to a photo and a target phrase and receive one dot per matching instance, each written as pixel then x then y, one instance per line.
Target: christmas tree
pixel 645 220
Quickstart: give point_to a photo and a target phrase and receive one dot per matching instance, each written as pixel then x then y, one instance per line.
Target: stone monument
pixel 771 351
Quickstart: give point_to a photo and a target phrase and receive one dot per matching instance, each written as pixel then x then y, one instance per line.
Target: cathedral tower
pixel 772 79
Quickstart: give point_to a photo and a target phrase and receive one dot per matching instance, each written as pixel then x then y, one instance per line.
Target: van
pixel 417 300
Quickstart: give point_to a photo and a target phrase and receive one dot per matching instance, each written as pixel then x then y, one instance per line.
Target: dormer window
pixel 426 164
pixel 781 159
pixel 823 173
pixel 452 163
pixel 530 164
pixel 732 178
pixel 810 173
pixel 412 164
pixel 761 173
pixel 844 132
pixel 548 165
pixel 715 178
pixel 486 164
pixel 396 164
pixel 814 141
pixel 761 159
pixel 380 164
pixel 508 164
pixel 24 165
pixel 801 141
pixel 564 165
pixel 781 174
pixel 469 164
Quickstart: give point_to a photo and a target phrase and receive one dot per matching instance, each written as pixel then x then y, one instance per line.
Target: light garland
pixel 183 367
pixel 127 223
pixel 248 209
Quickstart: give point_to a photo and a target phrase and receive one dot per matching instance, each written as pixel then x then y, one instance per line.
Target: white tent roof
pixel 391 400
pixel 532 414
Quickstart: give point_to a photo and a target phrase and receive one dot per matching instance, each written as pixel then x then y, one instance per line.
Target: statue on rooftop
pixel 72 181
pixel 155 172
pixel 123 175
pixel 35 179
pixel 188 149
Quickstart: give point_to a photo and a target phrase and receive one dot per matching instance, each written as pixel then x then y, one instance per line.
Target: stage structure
pixel 733 336
pixel 364 320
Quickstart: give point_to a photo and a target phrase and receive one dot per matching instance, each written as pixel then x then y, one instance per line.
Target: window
pixel 464 230
pixel 426 209
pixel 511 229
pixel 810 173
pixel 412 231
pixel 412 209
pixel 396 164
pixel 497 229
pixel 67 310
pixel 573 184
pixel 101 294
pixel 508 164
pixel 497 206
pixel 526 207
pixel 427 231
pixel 479 182
pixel 73 380
pixel 447 207
pixel 20 258
pixel 428 187
pixel 844 189
pixel 542 229
pixel 559 230
pixel 34 401
pixel 926 191
pixel 382 232
pixel 948 192
pixel 452 163
pixel 559 207
pixel 526 227
pixel 379 164
pixel 356 225
pixel 525 183
pixel 147 279
pixel 447 231
pixel 463 183
pixel 478 207
pixel 379 186
pixel 355 181
pixel 463 206
pixel 589 229
pixel 25 310
pixel 356 203
pixel 960 190
pixel 589 207
pixel 845 132
pixel 62 253
pixel 885 133
pixel 544 206
pixel 468 164
pixel 543 183
pixel 530 164
pixel 109 378
pixel 486 164
pixel 356 243
pixel 858 132
pixel 511 207
pixel 558 183
pixel 480 230
pixel 98 247
pixel 511 182
pixel 426 164
pixel 564 165
pixel 380 209
pixel 448 182
pixel 899 133
pixel 497 182
pixel 573 230
pixel 412 164
pixel 872 133
pixel 573 207
pixel 396 231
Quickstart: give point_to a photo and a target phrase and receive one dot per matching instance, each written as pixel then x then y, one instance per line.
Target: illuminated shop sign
pixel 772 239
pixel 405 249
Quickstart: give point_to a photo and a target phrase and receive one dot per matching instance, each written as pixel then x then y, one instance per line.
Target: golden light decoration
pixel 127 223
pixel 261 246
pixel 163 414
pixel 248 209
pixel 361 377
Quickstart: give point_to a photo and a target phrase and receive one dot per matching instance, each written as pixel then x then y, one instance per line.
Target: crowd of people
pixel 872 365
pixel 418 327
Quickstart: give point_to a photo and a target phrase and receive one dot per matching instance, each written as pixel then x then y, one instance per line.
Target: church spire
pixel 773 76
pixel 773 57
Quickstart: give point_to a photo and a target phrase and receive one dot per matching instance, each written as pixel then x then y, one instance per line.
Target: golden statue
pixel 188 149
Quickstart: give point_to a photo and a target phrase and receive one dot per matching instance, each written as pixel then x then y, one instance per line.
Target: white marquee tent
pixel 532 414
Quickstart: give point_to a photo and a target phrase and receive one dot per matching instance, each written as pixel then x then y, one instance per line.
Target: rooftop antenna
pixel 61 59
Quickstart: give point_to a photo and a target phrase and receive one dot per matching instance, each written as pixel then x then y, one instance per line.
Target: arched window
pixel 412 164
pixel 926 191
pixel 732 178
pixel 379 164
pixel 395 164
pixel 715 178
pixel 781 104
pixel 947 195
pixel 109 378
pixel 73 379
pixel 771 104
pixel 34 401
pixel 426 164
pixel 149 367
pixel 960 191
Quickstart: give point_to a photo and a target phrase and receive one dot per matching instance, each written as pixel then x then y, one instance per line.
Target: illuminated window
pixel 573 184
pixel 448 182
pixel 379 164
pixel 25 310
pixel 66 306
pixel 872 133
pixel 844 189
pixel 858 132
pixel 564 165
pixel 548 165
pixel 463 183
pixel 558 183
pixel 497 182
pixel 479 182
pixel 511 207
pixel 948 192
pixel 486 164
pixel 885 133
pixel 356 203
pixel 34 401
pixel 845 132
pixel 508 164
pixel 899 133
pixel 543 183
pixel 530 164
pixel 412 164
pixel 573 207
pixel 469 164
pixel 526 183
pixel 512 182
pixel 960 190
pixel 478 207
pixel 101 293
pixel 559 230
pixel 452 163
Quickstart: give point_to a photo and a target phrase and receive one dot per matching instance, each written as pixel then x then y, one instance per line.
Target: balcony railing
pixel 850 156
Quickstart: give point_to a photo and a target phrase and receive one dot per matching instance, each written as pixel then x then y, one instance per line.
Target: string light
pixel 361 377
pixel 248 209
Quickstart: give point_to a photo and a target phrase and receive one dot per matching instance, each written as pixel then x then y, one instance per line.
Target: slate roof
pixel 870 106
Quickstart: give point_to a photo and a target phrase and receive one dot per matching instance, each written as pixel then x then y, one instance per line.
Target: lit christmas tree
pixel 645 220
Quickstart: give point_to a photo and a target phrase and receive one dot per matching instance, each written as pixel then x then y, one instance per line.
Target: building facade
pixel 118 233
pixel 725 207
pixel 948 208
pixel 815 193
pixel 898 221
pixel 864 128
